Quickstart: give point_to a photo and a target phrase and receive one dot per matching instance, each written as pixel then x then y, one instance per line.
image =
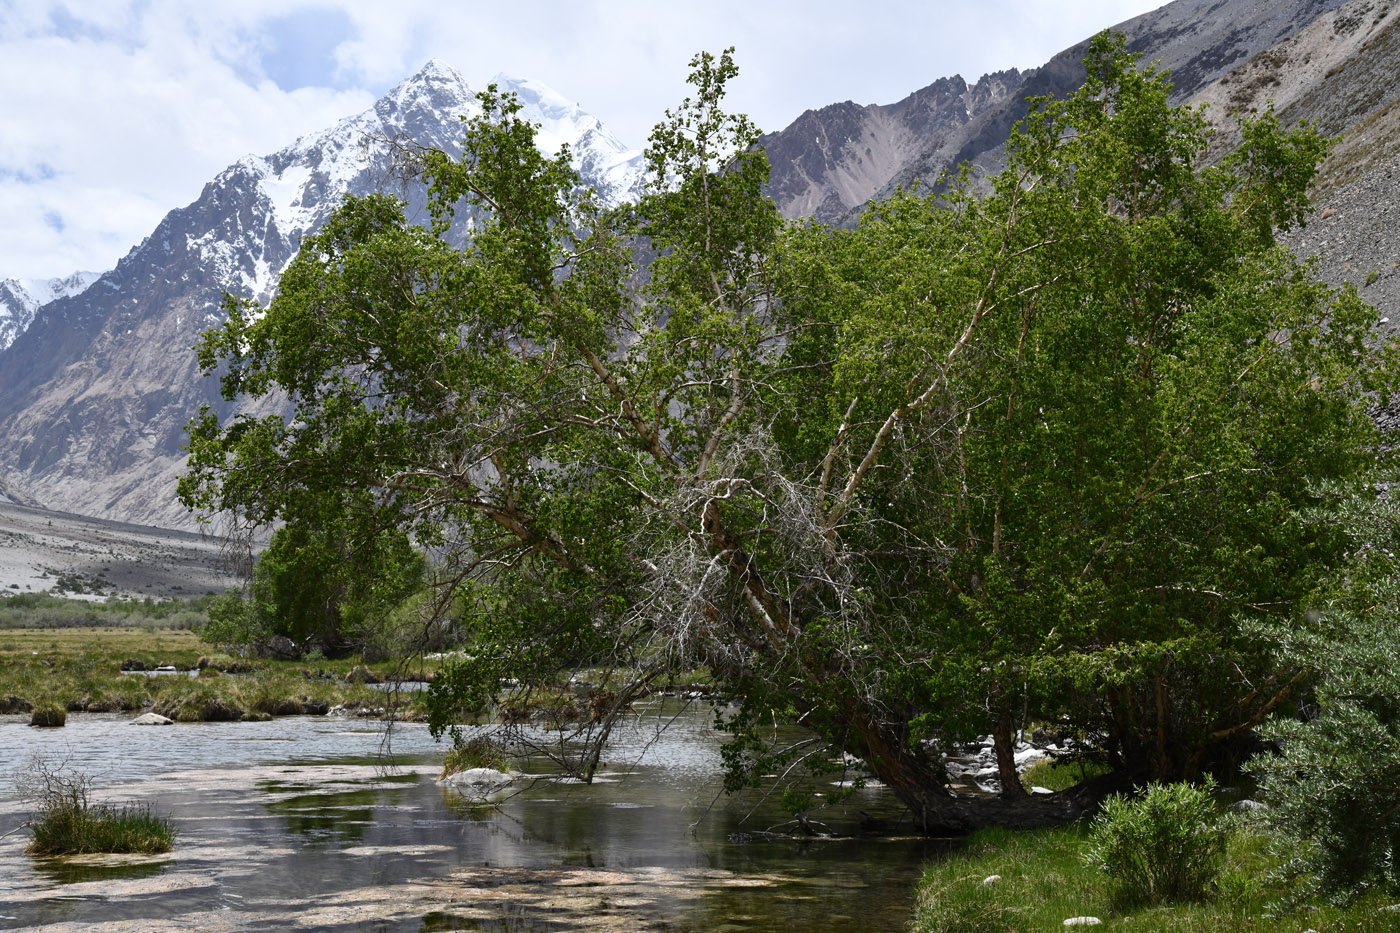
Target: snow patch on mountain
pixel 616 171
pixel 287 192
pixel 21 299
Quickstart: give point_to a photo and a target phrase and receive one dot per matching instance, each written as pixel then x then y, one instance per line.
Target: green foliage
pixel 1164 846
pixel 67 822
pixel 479 751
pixel 1334 781
pixel 1035 453
pixel 1053 774
pixel 308 586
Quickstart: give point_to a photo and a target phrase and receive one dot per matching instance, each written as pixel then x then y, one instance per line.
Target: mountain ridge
pixel 21 299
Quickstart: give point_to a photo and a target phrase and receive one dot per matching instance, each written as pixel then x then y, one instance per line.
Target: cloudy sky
pixel 113 112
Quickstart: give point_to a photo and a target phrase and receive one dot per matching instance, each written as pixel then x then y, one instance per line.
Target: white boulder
pixel 152 719
pixel 478 783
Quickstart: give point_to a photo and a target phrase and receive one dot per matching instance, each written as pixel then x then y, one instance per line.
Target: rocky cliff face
pixel 95 393
pixel 833 160
pixel 1340 72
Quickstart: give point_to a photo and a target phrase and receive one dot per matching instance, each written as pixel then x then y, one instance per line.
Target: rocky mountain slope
pixel 95 394
pixel 20 299
pixel 831 161
pixel 1339 72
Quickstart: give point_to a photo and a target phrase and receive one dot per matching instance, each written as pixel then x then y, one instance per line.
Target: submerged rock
pixel 151 719
pixel 478 783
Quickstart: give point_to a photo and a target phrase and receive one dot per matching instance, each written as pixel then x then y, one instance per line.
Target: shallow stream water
pixel 303 823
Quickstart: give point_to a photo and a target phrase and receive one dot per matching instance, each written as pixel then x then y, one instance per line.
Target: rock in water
pixel 151 719
pixel 478 783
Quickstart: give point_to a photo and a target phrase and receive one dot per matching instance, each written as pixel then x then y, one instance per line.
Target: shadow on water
pixel 513 919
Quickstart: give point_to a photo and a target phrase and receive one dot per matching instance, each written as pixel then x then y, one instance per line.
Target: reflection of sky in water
pixel 259 827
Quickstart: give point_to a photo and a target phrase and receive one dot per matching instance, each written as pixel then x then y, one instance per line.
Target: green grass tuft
pixel 77 828
pixel 1057 775
pixel 67 822
pixel 48 715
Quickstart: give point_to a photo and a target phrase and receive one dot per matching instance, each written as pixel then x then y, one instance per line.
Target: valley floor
pixel 51 551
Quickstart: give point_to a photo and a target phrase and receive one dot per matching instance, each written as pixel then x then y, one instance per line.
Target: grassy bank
pixel 80 670
pixel 1041 881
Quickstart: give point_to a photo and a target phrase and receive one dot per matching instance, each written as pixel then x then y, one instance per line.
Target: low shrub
pixel 1165 846
pixel 67 822
pixel 1033 880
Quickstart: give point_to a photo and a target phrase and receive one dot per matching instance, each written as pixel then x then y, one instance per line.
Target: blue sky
pixel 114 112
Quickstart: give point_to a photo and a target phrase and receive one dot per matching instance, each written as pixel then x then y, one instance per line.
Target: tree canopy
pixel 1032 455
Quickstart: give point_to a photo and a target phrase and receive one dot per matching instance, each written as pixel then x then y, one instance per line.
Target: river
pixel 304 823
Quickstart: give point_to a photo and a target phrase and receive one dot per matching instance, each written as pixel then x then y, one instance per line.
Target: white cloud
pixel 130 106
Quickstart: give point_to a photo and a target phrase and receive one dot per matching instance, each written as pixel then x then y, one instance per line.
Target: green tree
pixel 321 589
pixel 1032 454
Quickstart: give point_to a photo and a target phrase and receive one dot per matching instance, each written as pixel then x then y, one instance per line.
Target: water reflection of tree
pixel 334 819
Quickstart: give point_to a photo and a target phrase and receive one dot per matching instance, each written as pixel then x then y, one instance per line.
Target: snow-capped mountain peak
pixel 290 193
pixel 615 170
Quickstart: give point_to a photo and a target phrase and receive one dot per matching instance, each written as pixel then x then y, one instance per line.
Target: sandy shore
pixel 38 548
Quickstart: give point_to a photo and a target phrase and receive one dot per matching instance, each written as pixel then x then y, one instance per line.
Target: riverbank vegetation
pixel 49 611
pixel 1042 878
pixel 114 669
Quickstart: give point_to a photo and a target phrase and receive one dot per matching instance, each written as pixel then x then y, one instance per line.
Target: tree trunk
pixel 920 783
pixel 1004 743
